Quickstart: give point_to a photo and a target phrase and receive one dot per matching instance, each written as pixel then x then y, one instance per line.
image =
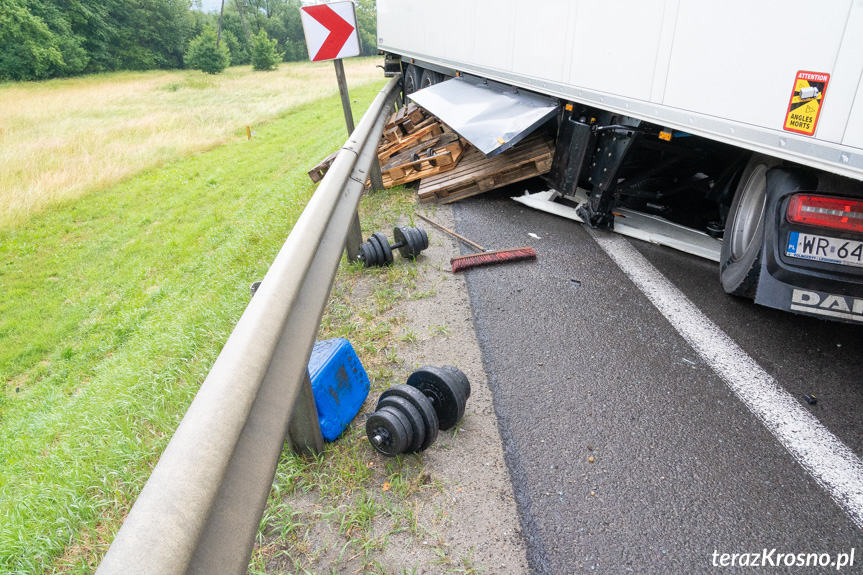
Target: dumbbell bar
pixel 408 416
pixel 377 251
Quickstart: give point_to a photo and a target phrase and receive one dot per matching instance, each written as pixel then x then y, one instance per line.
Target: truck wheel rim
pixel 749 212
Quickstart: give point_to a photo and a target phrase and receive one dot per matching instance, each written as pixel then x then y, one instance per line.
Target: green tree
pixel 28 49
pixel 265 55
pixel 205 56
pixel 239 53
pixel 367 26
pixel 152 33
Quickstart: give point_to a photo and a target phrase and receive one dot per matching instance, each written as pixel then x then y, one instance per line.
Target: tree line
pixel 41 39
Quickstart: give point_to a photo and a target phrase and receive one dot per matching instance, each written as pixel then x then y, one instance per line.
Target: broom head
pixel 460 263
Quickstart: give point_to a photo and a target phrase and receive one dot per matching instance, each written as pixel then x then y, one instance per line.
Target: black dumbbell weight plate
pixel 425 238
pixel 445 391
pixel 400 237
pixel 422 404
pixel 379 252
pixel 367 254
pixel 417 246
pixel 462 379
pixel 418 426
pixel 387 431
pixel 384 244
pixel 414 243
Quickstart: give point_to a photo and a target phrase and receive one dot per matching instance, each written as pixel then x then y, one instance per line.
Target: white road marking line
pixel 833 465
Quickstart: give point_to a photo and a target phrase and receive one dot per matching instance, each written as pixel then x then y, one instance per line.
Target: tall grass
pixel 62 138
pixel 115 304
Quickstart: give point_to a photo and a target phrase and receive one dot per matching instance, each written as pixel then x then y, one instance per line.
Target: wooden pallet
pixel 428 129
pixel 318 172
pixel 476 174
pixel 437 155
pixel 410 115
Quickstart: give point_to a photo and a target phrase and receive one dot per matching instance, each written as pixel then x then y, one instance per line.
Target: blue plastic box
pixel 339 383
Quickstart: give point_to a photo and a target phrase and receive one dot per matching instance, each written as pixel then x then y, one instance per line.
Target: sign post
pixel 331 34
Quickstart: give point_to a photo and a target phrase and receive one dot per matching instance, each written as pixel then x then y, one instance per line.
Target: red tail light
pixel 836 213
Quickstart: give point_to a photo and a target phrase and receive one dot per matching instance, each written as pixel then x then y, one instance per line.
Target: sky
pixel 211 5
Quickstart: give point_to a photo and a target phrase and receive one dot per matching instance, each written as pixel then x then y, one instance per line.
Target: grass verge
pixel 115 306
pixel 351 510
pixel 62 138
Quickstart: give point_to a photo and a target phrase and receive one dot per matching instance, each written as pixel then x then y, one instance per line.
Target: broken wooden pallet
pixel 405 121
pixel 318 172
pixel 410 114
pixel 427 130
pixel 476 174
pixel 437 155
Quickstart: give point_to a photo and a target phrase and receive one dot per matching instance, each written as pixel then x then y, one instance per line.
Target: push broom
pixel 485 257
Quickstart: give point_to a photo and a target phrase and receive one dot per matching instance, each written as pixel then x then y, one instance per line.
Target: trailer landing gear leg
pixel 612 144
pixel 598 218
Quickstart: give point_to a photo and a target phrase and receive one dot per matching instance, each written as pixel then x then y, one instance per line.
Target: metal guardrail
pixel 199 512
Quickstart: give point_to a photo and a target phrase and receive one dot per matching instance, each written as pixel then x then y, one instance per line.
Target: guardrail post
pixel 304 431
pixel 354 239
pixel 375 176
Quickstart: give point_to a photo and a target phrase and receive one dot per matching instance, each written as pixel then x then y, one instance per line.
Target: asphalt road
pixel 583 365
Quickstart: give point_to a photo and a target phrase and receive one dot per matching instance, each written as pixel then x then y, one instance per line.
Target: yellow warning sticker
pixel 807 99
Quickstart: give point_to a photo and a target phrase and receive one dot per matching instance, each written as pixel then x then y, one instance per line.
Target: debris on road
pixel 485 257
pixel 408 416
pixel 339 383
pixel 410 133
pixel 440 154
pixel 377 250
pixel 318 172
pixel 810 399
pixel 477 174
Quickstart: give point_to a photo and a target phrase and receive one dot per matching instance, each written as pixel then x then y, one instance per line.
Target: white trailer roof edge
pixel 836 158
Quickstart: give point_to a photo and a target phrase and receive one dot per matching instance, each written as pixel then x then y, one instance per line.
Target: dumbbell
pixel 377 251
pixel 408 416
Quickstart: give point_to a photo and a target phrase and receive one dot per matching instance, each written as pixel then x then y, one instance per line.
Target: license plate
pixel 825 249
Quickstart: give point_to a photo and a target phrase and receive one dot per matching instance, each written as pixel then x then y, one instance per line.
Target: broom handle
pixel 450 232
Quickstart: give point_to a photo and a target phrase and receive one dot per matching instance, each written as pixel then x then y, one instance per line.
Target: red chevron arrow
pixel 340 31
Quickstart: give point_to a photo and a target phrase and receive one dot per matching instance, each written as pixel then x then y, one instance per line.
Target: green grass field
pixel 114 306
pixel 65 138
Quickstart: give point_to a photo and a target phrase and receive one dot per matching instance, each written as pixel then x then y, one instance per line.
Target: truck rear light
pixel 826 212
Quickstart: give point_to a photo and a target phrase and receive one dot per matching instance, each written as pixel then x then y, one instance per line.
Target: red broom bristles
pixel 460 263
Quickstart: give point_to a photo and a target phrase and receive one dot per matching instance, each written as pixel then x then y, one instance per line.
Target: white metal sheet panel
pixel 854 131
pixel 541 38
pixel 493 117
pixel 738 59
pixel 613 53
pixel 494 31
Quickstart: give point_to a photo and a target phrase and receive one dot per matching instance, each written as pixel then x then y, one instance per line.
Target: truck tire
pixel 740 259
pixel 411 79
pixel 429 78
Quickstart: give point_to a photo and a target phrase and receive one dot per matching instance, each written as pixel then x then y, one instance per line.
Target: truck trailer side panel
pixel 685 64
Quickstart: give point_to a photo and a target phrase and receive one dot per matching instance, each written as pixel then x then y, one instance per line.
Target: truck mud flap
pixel 801 286
pixel 493 117
pixel 634 224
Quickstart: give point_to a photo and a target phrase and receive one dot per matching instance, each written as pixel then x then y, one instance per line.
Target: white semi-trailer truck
pixel 737 125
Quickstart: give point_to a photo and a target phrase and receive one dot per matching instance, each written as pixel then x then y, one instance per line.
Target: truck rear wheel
pixel 411 79
pixel 429 78
pixel 740 260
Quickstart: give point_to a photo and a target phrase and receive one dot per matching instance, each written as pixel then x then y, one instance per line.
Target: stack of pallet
pixel 416 145
pixel 477 174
